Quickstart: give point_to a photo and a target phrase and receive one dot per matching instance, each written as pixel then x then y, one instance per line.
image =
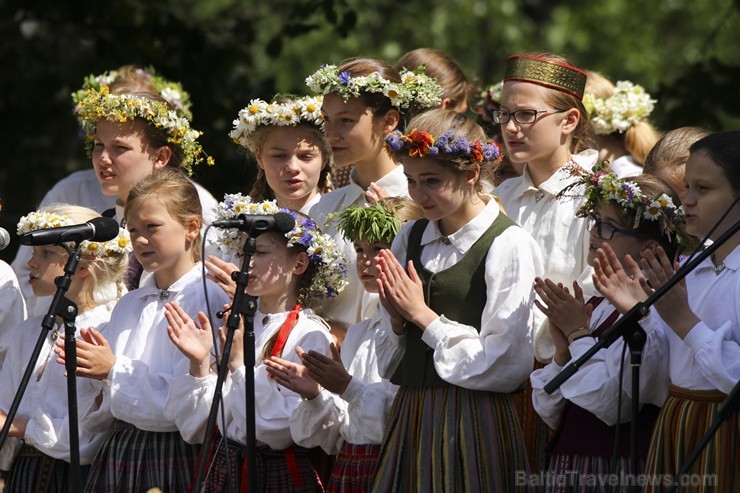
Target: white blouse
pixel 13 309
pixel 146 360
pixel 553 223
pixel 44 402
pixel 360 414
pixel 499 357
pixel 347 307
pixel 189 400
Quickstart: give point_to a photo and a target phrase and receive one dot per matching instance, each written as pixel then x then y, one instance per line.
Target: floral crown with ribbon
pixel 100 103
pixel 330 265
pixel 547 73
pixel 377 223
pixel 629 105
pixel 602 187
pixel 171 91
pixel 415 89
pixel 37 220
pixel 282 113
pixel 447 146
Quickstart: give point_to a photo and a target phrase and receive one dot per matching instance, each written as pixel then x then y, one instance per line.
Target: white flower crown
pixel 415 88
pixel 629 105
pixel 172 92
pixel 100 103
pixel 331 266
pixel 260 113
pixel 35 221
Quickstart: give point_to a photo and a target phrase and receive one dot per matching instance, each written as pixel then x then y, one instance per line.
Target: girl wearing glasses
pixel 585 409
pixel 697 323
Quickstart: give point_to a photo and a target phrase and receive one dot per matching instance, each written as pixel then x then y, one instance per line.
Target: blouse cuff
pixel 580 346
pixel 435 331
pixel 699 336
pixel 322 400
pixel 353 391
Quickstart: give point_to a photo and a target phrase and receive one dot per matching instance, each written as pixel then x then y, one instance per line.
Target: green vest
pixel 458 292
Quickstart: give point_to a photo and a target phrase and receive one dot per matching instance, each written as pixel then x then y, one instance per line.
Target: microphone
pixel 255 224
pixel 97 229
pixel 4 239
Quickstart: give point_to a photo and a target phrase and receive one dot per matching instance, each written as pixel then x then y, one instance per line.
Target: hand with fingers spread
pixel 621 287
pixel 673 306
pixel 192 340
pixel 219 271
pixel 404 292
pixel 95 357
pixel 292 376
pixel 330 373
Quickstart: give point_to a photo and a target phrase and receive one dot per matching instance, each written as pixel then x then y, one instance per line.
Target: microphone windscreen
pixel 106 228
pixel 284 222
pixel 4 239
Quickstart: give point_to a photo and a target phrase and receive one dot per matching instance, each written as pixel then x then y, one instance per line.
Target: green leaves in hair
pixel 375 223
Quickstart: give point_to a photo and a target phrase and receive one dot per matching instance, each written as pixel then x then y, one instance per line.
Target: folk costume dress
pixel 282 466
pixel 43 462
pixel 452 426
pixel 703 369
pixel 585 409
pixel 146 449
pixel 347 307
pixel 351 424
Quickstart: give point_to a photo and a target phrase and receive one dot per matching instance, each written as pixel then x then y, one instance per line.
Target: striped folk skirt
pixel 443 439
pixel 34 471
pixel 278 472
pixel 684 420
pixel 134 460
pixel 354 469
pixel 570 473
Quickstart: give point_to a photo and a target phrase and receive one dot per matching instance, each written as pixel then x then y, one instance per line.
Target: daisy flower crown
pixel 44 220
pixel 260 113
pixel 330 265
pixel 629 105
pixel 602 187
pixel 415 89
pixel 172 92
pixel 100 103
pixel 447 147
pixel 375 223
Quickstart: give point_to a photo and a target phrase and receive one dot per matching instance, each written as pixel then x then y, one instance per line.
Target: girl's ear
pixel 162 157
pixel 192 228
pixel 650 245
pixel 258 157
pixel 446 104
pixel 301 263
pixel 84 268
pixel 570 122
pixel 472 174
pixel 390 121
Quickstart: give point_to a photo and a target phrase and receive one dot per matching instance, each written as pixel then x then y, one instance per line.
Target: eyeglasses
pixel 606 231
pixel 522 117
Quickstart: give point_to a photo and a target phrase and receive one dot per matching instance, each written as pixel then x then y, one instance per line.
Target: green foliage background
pixel 226 52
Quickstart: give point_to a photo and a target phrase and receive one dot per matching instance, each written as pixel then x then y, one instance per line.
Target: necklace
pixel 53 336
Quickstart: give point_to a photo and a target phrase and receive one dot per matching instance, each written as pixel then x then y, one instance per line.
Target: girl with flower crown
pixel 289 274
pixel 364 100
pixel 126 144
pixel 619 115
pixel 457 318
pixel 293 156
pixel 346 403
pixel 626 218
pixel 40 433
pixel 134 358
pixel 697 323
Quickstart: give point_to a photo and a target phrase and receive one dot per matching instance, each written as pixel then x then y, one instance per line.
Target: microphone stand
pixel 243 305
pixel 66 309
pixel 629 328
